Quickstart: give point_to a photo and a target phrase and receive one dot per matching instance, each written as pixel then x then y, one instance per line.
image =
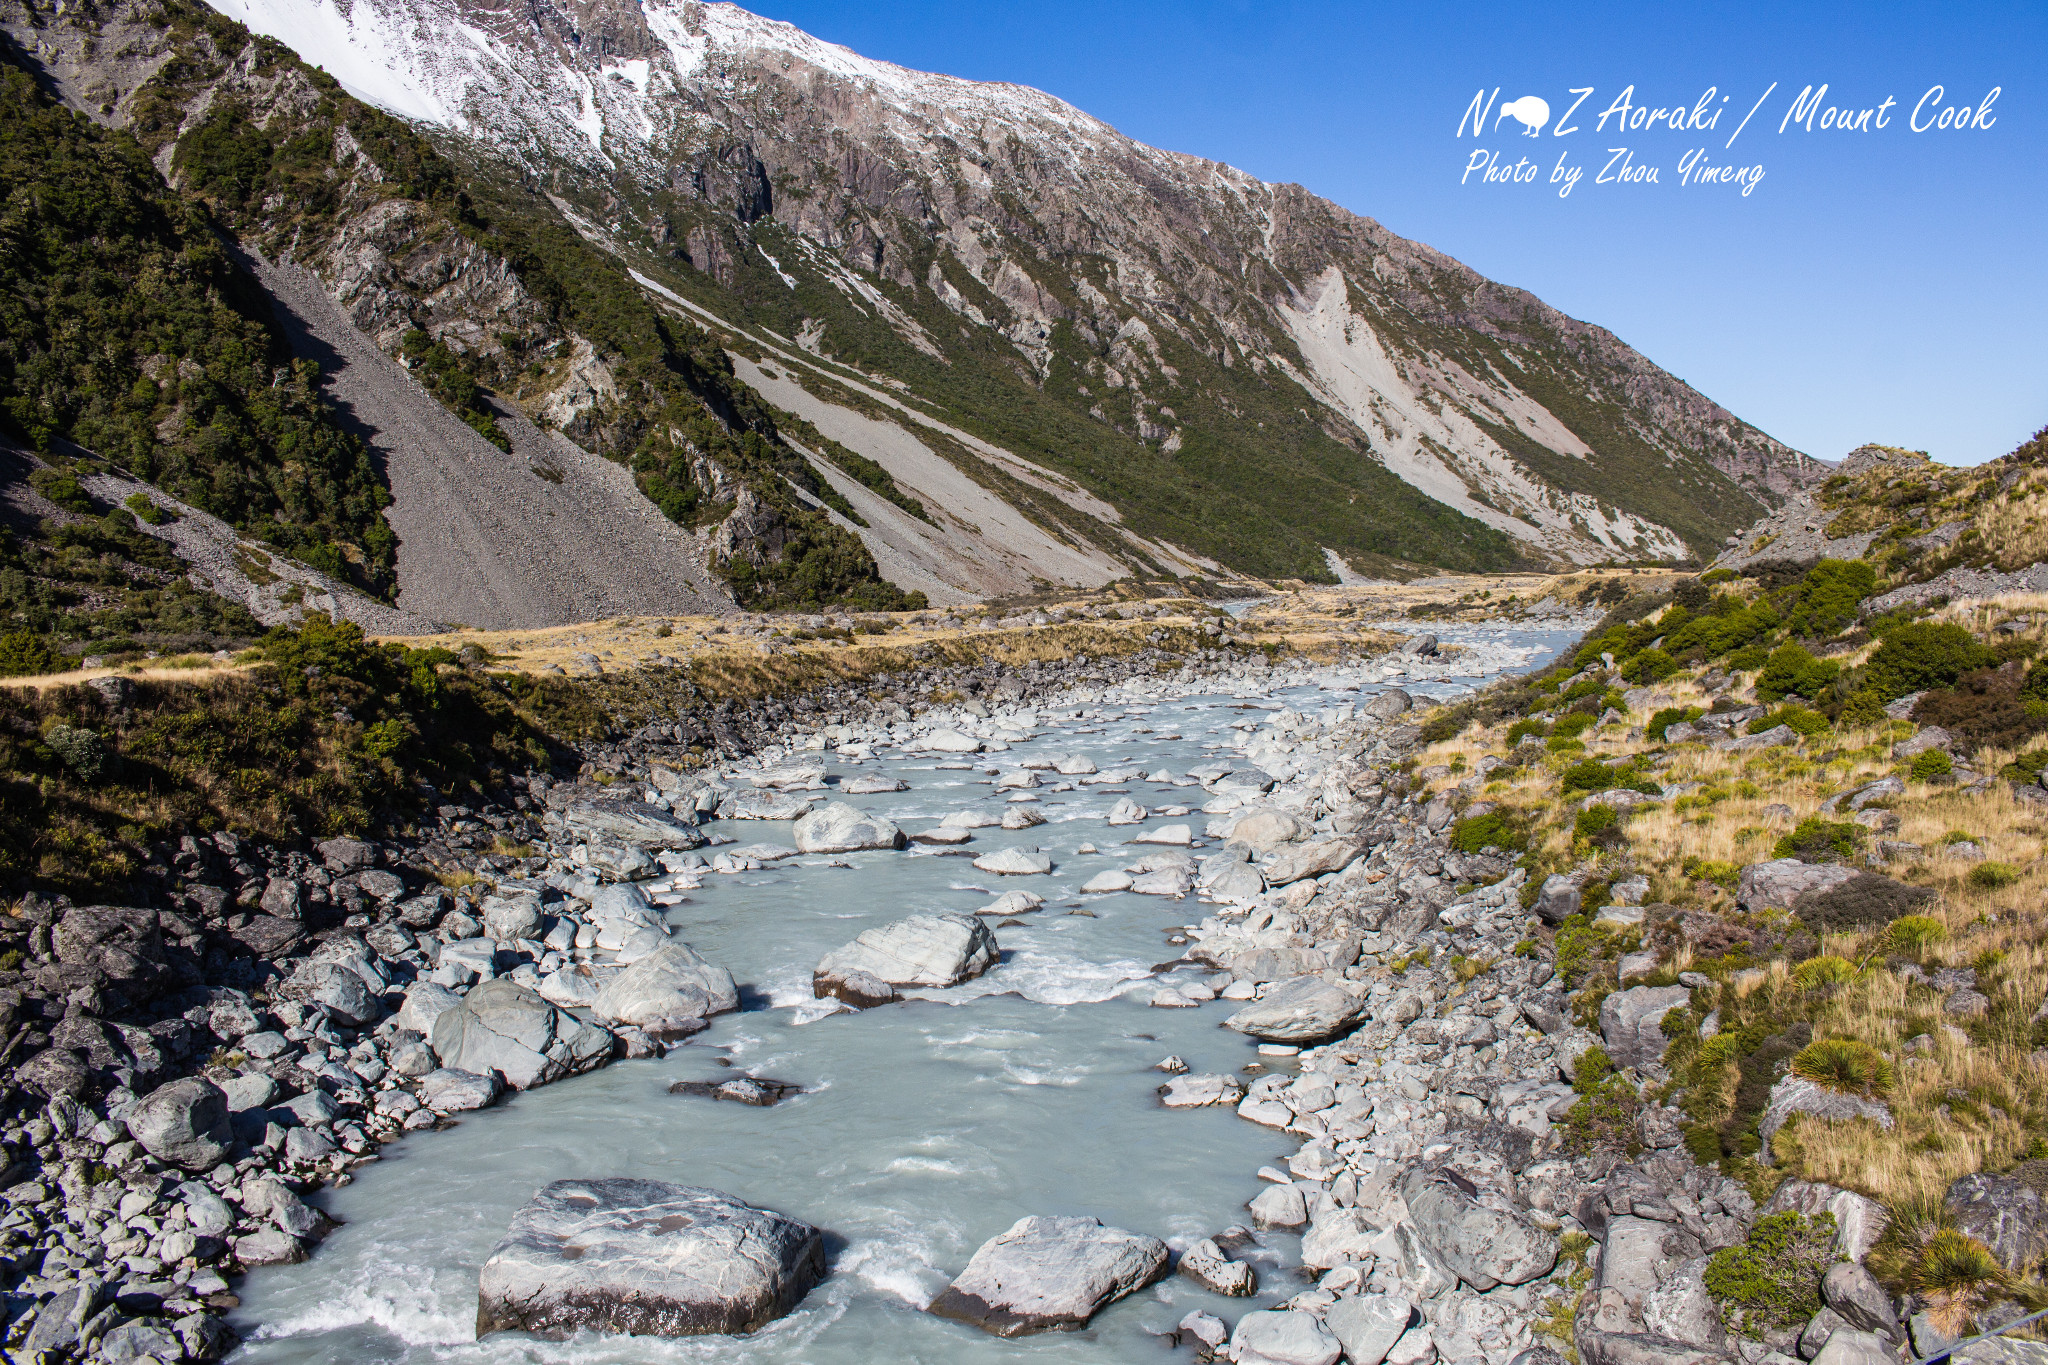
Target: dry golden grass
pixel 184 668
pixel 2015 523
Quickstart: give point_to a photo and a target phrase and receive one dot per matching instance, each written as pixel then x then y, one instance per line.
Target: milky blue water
pixel 925 1127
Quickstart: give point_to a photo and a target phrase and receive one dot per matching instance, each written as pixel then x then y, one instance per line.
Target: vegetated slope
pixel 1240 368
pixel 473 293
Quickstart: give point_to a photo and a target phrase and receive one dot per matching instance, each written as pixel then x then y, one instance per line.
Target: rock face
pixel 1304 1010
pixel 631 822
pixel 1631 1023
pixel 184 1123
pixel 1784 880
pixel 1795 1095
pixel 644 1258
pixel 1050 1274
pixel 672 990
pixel 1485 1243
pixel 2004 1214
pixel 923 950
pixel 837 827
pixel 502 1026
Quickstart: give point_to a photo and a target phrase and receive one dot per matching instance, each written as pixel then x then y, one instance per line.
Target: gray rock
pixel 1239 884
pixel 314 1108
pixel 1206 1264
pixel 1388 705
pixel 1048 1273
pixel 1631 1020
pixel 512 917
pixel 1782 881
pixel 922 950
pixel 862 990
pixel 184 1123
pixel 1847 1346
pixel 205 1211
pixel 504 1027
pixel 1795 1095
pixel 1818 1329
pixel 1304 1010
pixel 2001 1351
pixel 1368 1325
pixel 838 827
pixel 144 1337
pixel 1682 1310
pixel 250 1090
pixel 644 1258
pixel 1634 1348
pixel 1337 1235
pixel 449 1091
pixel 1279 1206
pixel 1928 1340
pixel 425 1003
pixel 1852 1291
pixel 1312 860
pixel 1641 1254
pixel 346 855
pixel 380 885
pixel 1557 899
pixel 1282 1336
pixel 268 1246
pixel 282 898
pixel 339 989
pixel 1480 1237
pixel 2003 1213
pixel 1859 1221
pixel 633 823
pixel 670 991
pixel 1015 862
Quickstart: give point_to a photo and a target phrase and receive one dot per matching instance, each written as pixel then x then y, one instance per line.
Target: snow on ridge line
pixel 366 57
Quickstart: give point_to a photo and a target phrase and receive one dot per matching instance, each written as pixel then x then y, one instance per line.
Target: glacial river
pixel 925 1127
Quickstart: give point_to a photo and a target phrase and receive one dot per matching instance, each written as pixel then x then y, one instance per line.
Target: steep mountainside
pixel 1237 366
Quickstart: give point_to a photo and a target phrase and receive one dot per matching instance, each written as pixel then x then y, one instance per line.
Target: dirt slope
pixel 484 540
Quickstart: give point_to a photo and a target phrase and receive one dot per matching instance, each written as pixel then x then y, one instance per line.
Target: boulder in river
pixel 1014 862
pixel 504 1027
pixel 922 950
pixel 862 990
pixel 1206 1264
pixel 1050 1274
pixel 671 991
pixel 838 827
pixel 1306 1009
pixel 645 1258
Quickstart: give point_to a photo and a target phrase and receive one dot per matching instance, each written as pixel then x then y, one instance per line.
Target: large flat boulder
pixel 922 950
pixel 671 991
pixel 1781 881
pixel 1050 1274
pixel 1480 1236
pixel 504 1027
pixel 123 944
pixel 1312 860
pixel 1015 862
pixel 644 1258
pixel 837 827
pixel 635 823
pixel 1306 1009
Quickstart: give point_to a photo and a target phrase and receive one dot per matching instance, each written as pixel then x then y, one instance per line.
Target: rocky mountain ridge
pixel 1126 315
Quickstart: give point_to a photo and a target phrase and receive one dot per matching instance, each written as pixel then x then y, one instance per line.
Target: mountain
pixel 891 325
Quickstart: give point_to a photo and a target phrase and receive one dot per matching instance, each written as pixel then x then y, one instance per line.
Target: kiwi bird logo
pixel 1530 111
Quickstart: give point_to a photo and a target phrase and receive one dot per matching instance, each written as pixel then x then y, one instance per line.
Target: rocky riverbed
pixel 1396 1054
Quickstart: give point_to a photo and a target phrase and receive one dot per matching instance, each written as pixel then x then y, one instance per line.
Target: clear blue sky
pixel 1883 286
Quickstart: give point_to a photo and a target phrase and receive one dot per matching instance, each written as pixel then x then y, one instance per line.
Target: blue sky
pixel 1874 286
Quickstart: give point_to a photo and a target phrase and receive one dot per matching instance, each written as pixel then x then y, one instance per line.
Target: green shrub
pixel 1492 829
pixel 1817 840
pixel 1849 1065
pixel 1915 934
pixel 1929 764
pixel 1920 656
pixel 1670 716
pixel 1802 721
pixel 1723 875
pixel 1525 727
pixel 1590 776
pixel 1649 666
pixel 1985 707
pixel 1863 708
pixel 1772 1280
pixel 1993 876
pixel 1580 945
pixel 1745 660
pixel 1825 600
pixel 1597 824
pixel 1714 576
pixel 1823 971
pixel 1790 669
pixel 1573 725
pixel 23 652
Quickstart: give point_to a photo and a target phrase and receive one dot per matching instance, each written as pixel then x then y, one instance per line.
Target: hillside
pixel 850 325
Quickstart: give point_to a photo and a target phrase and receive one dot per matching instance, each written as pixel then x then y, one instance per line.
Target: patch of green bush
pixel 23 653
pixel 1816 840
pixel 1598 824
pixel 1803 721
pixel 1921 656
pixel 1824 602
pixel 1772 1280
pixel 1993 876
pixel 1477 832
pixel 1791 670
pixel 1525 727
pixel 1929 764
pixel 1669 716
pixel 1649 666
